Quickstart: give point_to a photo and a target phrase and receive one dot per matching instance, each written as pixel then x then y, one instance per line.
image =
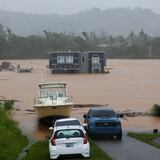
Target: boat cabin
pixel 53 90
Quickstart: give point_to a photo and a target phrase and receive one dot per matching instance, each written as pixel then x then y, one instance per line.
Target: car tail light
pixel 85 140
pixel 53 141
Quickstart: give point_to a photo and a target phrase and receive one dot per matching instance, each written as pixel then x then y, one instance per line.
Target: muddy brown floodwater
pixel 131 84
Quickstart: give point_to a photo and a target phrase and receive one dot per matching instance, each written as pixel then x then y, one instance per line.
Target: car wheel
pixel 89 155
pixel 119 136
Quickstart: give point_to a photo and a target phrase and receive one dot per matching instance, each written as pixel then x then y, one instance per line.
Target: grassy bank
pixel 40 151
pixel 11 139
pixel 146 138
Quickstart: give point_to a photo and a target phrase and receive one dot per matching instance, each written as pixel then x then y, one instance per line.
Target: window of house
pixel 69 59
pixel 60 59
pixel 83 59
pixel 95 59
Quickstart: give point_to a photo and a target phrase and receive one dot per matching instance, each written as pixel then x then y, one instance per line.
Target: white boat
pixel 53 101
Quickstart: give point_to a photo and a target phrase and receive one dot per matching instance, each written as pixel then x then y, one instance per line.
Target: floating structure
pixel 22 70
pixel 5 65
pixel 77 62
pixel 14 67
pixel 53 101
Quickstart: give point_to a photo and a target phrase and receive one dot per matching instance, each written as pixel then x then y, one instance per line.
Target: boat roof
pixel 66 119
pixel 68 127
pixel 52 84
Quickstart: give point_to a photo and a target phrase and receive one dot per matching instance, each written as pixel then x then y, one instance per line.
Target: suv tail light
pixel 53 141
pixel 85 139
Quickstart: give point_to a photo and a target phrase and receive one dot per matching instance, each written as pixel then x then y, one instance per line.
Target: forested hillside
pixel 119 21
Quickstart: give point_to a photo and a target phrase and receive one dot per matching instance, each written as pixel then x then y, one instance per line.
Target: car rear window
pixel 103 113
pixel 70 122
pixel 68 133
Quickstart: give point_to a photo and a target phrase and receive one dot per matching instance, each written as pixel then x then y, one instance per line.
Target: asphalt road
pixel 128 149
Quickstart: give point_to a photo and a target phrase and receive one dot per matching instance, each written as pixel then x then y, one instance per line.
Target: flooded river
pixel 131 84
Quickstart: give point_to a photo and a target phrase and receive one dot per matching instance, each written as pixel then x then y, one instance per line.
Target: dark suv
pixel 103 121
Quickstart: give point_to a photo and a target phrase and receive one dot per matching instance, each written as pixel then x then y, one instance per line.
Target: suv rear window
pixel 103 113
pixel 68 133
pixel 70 122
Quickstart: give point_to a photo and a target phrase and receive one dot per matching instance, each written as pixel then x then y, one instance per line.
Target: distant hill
pixel 120 21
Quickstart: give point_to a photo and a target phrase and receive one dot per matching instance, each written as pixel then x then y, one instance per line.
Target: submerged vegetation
pixel 11 138
pixel 7 105
pixel 155 110
pixel 139 45
pixel 146 138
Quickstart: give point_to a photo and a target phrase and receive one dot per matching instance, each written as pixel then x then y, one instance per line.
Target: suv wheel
pixel 119 136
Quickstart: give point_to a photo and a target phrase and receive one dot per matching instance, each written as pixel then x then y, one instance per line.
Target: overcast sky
pixel 73 6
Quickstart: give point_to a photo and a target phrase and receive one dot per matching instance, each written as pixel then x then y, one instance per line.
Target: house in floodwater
pixel 77 62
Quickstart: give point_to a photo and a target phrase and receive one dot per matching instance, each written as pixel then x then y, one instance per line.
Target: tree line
pixel 137 46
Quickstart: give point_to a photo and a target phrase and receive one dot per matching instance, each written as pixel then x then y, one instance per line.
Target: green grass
pixel 40 151
pixel 146 138
pixel 11 139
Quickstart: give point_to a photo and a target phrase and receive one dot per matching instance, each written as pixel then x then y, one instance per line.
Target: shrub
pixel 7 105
pixel 155 110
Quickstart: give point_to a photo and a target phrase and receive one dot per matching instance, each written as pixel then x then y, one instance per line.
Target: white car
pixel 67 121
pixel 68 140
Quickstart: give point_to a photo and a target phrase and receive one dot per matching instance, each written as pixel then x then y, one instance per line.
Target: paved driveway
pixel 129 149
